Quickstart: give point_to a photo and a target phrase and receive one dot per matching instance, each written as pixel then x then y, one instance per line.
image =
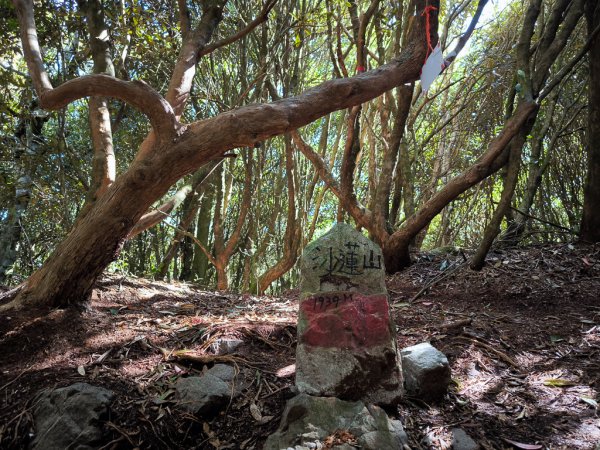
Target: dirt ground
pixel 522 337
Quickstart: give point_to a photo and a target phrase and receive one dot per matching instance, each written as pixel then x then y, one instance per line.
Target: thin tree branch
pixel 467 34
pixel 568 67
pixel 541 220
pixel 262 17
pixel 209 256
pixel 184 18
pixel 361 214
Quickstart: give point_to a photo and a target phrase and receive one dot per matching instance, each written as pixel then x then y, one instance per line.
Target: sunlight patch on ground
pixel 528 360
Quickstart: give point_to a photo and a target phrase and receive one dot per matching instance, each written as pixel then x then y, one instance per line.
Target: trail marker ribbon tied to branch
pixel 434 61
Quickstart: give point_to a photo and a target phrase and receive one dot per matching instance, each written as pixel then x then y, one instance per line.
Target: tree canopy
pixel 211 141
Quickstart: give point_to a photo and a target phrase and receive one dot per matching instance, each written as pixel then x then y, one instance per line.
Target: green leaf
pixel 558 382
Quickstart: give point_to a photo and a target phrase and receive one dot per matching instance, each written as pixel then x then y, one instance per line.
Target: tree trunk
pixel 191 204
pixel 201 263
pixel 28 135
pixel 103 161
pixel 293 236
pixel 396 250
pixel 67 277
pixel 510 183
pixel 381 213
pixel 590 220
pixel 223 251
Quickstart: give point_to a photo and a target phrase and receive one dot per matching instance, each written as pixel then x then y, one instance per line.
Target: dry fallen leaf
pixel 255 412
pixel 523 446
pixel 589 401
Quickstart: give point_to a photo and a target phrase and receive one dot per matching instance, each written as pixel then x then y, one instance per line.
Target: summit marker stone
pixel 346 339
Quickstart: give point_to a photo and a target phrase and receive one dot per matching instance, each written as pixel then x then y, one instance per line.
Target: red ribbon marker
pixel 360 69
pixel 426 13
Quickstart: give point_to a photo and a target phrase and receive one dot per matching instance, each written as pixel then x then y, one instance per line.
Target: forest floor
pixel 522 337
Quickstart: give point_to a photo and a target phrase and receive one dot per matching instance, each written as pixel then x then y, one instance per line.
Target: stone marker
pixel 346 340
pixel 426 372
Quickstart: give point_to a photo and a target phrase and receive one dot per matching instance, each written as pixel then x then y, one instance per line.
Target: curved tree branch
pixel 136 93
pixel 361 214
pixel 483 167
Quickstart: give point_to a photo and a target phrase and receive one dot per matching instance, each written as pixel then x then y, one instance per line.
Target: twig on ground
pixel 436 280
pixel 15 378
pixel 275 392
pixel 456 324
pixel 503 356
pixel 122 432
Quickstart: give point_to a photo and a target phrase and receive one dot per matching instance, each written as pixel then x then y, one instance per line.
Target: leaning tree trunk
pixel 67 277
pixel 510 183
pixel 396 249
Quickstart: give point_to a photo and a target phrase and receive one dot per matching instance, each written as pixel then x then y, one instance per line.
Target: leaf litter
pixel 522 337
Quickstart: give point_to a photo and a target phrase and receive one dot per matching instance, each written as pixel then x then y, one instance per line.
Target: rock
pixel 222 371
pixel 462 441
pixel 426 372
pixel 225 346
pixel 207 394
pixel 204 395
pixel 346 338
pixel 307 421
pixel 70 417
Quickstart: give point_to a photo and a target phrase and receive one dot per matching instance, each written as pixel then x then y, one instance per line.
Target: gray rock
pixel 346 338
pixel 207 394
pixel 225 346
pixel 222 371
pixel 204 395
pixel 426 372
pixel 307 421
pixel 462 441
pixel 70 417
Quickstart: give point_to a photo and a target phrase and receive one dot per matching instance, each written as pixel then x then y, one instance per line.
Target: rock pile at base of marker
pixel 308 421
pixel 346 339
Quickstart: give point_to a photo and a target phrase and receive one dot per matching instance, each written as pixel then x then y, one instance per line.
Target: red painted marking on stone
pixel 359 322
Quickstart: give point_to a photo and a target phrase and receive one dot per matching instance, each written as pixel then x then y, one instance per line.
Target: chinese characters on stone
pixel 345 261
